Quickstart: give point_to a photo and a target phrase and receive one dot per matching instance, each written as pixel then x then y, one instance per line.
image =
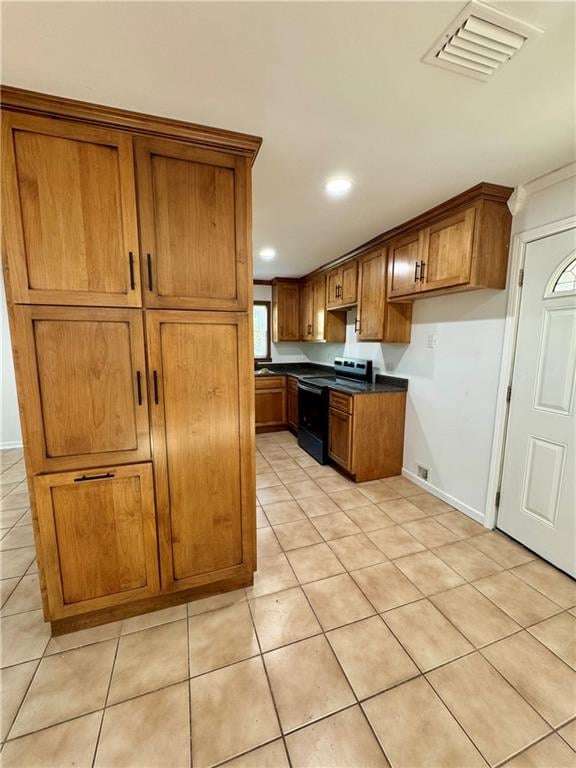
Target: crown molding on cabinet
pixel 47 105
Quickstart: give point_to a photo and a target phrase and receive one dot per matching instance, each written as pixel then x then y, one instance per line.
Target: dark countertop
pixel 299 371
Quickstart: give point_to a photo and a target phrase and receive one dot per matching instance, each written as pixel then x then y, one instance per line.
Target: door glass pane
pixel 567 279
pixel 261 331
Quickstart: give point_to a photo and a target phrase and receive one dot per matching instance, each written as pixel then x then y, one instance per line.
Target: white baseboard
pixel 456 503
pixel 12 444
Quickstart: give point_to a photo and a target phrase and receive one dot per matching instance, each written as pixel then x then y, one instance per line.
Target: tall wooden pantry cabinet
pixel 128 271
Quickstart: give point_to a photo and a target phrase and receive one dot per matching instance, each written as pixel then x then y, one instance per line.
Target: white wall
pixel 10 435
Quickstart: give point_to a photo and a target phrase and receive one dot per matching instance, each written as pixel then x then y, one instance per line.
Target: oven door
pixel 313 420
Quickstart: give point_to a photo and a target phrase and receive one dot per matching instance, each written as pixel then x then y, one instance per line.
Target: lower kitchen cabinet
pixel 366 433
pixel 97 537
pixel 292 402
pixel 270 393
pixel 203 440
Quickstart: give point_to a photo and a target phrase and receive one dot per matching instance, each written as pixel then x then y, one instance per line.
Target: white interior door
pixel 538 498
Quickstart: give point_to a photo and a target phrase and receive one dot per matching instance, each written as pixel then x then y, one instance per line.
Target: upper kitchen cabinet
pixel 193 209
pixel 319 324
pixel 342 286
pixel 285 310
pixel 69 210
pixel 377 319
pixel 458 246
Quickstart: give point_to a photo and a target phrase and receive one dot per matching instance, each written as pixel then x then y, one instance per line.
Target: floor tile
pixel 395 541
pixel 267 480
pixel 221 637
pixel 335 483
pixel 274 574
pixel 335 526
pixel 305 490
pixel 9 517
pixel 153 619
pixel 460 524
pixel 24 637
pixel 7 586
pixel 261 519
pixel 315 506
pixel 357 551
pixel 557 586
pixel 429 532
pixel 19 536
pixel 321 471
pixel 401 510
pixel 417 731
pixel 151 731
pixel 232 712
pixel 227 598
pixel 559 635
pixel 537 674
pixel 273 495
pixel 284 465
pixel 26 597
pixel 307 682
pixel 430 504
pixel 282 618
pixel 271 755
pixel 385 586
pixel 371 657
pixel 337 601
pixel 426 634
pixel 468 561
pixel 474 615
pixel 551 752
pixel 314 563
pixel 349 499
pixel 149 659
pixel 492 713
pixel 293 476
pixel 284 512
pixel 429 573
pixel 65 686
pixel 266 542
pixel 16 499
pixel 516 598
pixel 14 682
pixel 66 745
pixel 501 549
pixel 378 492
pixel 343 740
pixel 67 642
pixel 15 562
pixel 403 486
pixel 299 534
pixel 568 733
pixel 370 518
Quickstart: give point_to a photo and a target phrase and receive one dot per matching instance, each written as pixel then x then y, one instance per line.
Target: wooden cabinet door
pixel 349 283
pixel 319 308
pixel 307 311
pixel 404 257
pixel 69 207
pixel 193 208
pixel 97 538
pixel 333 286
pixel 447 251
pixel 292 402
pixel 82 386
pixel 372 297
pixel 270 407
pixel 285 311
pixel 340 438
pixel 203 444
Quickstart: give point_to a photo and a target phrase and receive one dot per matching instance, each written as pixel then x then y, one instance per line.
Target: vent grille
pixel 479 41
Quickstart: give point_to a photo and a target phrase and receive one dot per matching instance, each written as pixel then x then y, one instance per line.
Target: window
pixel 567 279
pixel 262 331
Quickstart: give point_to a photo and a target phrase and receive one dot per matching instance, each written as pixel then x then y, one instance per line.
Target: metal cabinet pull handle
pixel 139 386
pixel 416 268
pixel 422 269
pixel 131 263
pixel 357 325
pixel 149 262
pixel 155 380
pixel 84 478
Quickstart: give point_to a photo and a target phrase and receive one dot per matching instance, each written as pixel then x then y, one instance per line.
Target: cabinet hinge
pixel 521 278
pixel 497 500
pixel 509 393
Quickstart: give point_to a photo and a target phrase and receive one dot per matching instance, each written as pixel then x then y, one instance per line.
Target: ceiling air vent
pixel 479 41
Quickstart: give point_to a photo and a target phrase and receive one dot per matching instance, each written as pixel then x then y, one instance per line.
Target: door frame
pixel 518 249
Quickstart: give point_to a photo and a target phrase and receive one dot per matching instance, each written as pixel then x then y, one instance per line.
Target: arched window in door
pixel 564 279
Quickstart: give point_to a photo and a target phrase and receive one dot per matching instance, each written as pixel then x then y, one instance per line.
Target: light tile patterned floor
pixel 383 628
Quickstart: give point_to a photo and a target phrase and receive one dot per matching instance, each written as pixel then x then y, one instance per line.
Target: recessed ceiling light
pixel 338 187
pixel 267 254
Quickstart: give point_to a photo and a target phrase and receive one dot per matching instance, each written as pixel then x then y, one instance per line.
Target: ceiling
pixel 331 87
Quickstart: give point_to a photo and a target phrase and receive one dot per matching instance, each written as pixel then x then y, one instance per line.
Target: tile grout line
pixel 97 745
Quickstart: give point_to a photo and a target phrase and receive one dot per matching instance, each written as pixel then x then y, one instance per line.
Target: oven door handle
pixel 313 390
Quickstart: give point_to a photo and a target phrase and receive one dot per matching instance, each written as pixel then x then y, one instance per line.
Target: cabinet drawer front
pixel 193 222
pixel 97 537
pixel 69 213
pixel 269 382
pixel 83 386
pixel 341 402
